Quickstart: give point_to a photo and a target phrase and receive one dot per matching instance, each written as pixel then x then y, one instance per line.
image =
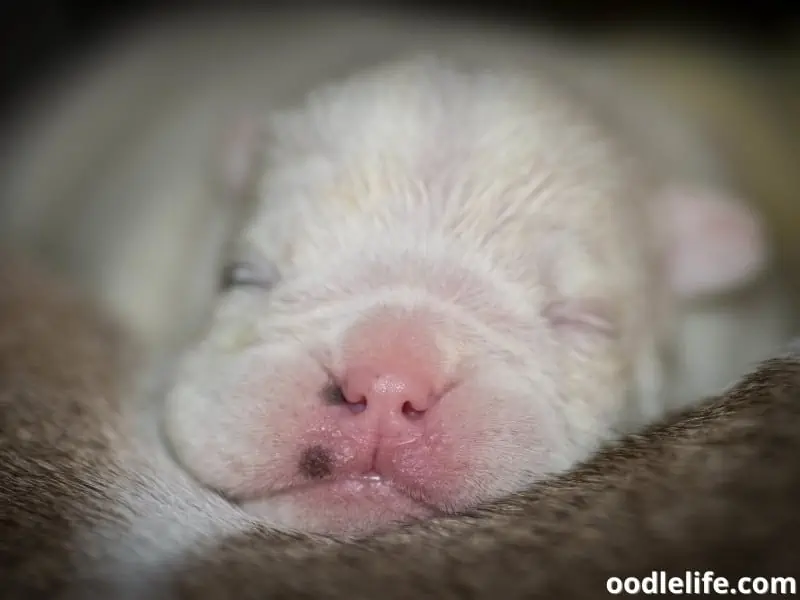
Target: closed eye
pixel 589 315
pixel 249 274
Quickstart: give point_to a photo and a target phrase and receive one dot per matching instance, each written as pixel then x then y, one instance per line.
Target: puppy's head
pixel 451 291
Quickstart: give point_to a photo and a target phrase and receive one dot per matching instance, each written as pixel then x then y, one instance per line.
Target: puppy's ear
pixel 716 243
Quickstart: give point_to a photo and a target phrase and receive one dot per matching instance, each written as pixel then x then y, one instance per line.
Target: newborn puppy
pixel 460 278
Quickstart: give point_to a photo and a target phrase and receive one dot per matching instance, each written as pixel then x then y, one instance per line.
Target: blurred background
pixel 37 36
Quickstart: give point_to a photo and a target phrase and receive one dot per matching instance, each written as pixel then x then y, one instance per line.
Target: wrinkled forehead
pixel 477 188
pixel 434 122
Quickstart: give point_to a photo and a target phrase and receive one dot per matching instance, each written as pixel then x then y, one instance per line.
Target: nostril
pixel 357 407
pixel 333 394
pixel 411 412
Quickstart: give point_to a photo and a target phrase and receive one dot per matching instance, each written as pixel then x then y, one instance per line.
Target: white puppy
pixel 459 279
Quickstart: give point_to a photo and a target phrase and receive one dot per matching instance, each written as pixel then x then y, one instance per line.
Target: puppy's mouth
pixel 356 484
pixel 353 504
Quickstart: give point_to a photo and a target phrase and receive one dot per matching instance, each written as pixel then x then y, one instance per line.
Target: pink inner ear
pixel 715 242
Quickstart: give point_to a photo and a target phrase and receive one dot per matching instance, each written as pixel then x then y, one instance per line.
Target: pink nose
pixel 392 394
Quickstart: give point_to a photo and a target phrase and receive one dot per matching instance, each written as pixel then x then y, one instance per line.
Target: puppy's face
pixel 426 322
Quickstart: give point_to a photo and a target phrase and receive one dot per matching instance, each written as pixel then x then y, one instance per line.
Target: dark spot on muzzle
pixel 316 462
